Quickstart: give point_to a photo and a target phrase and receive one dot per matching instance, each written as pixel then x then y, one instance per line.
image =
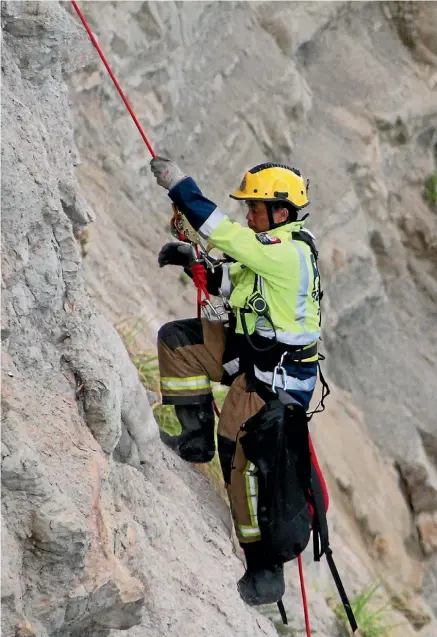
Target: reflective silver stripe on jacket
pixel 264 328
pixel 292 383
pixel 303 287
pixel 232 367
pixel 226 285
pixel 211 223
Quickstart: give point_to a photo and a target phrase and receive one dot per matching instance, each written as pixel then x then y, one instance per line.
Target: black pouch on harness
pixel 276 441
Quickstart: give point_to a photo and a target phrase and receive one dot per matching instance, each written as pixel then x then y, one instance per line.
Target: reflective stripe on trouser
pixel 182 384
pixel 243 486
pixel 251 484
pixel 189 354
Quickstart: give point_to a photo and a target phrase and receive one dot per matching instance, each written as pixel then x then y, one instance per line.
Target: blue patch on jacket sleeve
pixel 190 201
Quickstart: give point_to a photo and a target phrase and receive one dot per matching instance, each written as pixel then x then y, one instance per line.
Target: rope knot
pixel 199 278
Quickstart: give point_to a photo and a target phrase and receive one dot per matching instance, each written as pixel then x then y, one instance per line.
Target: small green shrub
pixel 371 622
pixel 167 420
pixel 184 278
pixel 148 371
pixel 146 362
pixel 220 393
pixel 430 192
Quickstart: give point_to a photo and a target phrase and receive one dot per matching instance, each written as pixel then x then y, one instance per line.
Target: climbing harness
pixel 184 232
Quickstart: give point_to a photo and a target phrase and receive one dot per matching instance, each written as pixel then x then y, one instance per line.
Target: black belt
pixel 296 354
pixel 269 358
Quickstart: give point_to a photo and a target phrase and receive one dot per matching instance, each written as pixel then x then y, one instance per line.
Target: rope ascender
pixel 198 270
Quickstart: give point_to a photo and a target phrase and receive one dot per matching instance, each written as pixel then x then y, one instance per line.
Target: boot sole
pixel 252 601
pixel 197 459
pixel 189 456
pixel 252 598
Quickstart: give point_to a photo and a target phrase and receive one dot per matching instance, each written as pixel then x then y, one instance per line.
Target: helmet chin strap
pixel 269 206
pixel 270 210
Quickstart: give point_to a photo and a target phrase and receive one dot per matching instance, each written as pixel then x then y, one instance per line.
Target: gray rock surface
pixel 103 531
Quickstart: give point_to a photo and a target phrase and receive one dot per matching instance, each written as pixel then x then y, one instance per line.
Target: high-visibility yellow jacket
pixel 288 278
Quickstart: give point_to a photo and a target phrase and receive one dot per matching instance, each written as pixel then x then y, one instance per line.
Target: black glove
pixel 177 253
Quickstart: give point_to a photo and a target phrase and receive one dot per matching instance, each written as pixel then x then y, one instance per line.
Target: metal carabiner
pixel 212 312
pixel 225 302
pixel 207 261
pixel 280 370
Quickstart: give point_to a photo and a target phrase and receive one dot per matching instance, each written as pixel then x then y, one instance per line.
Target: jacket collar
pixel 286 230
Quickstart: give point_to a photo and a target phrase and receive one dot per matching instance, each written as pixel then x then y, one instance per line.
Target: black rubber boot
pixel 262 583
pixel 196 442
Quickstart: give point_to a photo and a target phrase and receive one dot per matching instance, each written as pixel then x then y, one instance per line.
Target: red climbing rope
pixel 304 596
pixel 113 78
pixel 199 277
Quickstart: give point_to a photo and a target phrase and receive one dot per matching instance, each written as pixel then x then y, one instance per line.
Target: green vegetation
pixel 184 278
pixel 146 363
pixel 430 192
pixel 371 622
pixel 147 366
pixel 166 418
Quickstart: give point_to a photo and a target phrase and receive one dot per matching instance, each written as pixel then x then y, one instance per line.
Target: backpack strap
pixel 343 596
pixel 282 612
pixel 321 544
pixel 320 523
pixel 307 238
pixel 325 391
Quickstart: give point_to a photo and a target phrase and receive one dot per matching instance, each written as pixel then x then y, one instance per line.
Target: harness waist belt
pixel 300 353
pixel 295 353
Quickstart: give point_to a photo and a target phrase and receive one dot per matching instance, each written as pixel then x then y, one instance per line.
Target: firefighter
pixel 272 286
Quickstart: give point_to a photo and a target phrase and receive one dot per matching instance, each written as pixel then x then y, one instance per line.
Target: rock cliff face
pixel 102 529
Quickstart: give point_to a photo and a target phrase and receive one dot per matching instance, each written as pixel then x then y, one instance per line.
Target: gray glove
pixel 177 253
pixel 167 172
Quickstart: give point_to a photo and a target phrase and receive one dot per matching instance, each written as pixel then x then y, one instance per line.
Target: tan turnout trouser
pixel 190 356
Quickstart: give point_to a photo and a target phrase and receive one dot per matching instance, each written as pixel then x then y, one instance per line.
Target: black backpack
pixel 291 501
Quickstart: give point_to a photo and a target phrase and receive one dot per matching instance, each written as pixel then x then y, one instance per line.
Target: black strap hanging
pixel 282 612
pixel 325 391
pixel 343 596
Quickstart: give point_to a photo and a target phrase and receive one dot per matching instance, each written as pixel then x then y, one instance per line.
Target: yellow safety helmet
pixel 273 182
